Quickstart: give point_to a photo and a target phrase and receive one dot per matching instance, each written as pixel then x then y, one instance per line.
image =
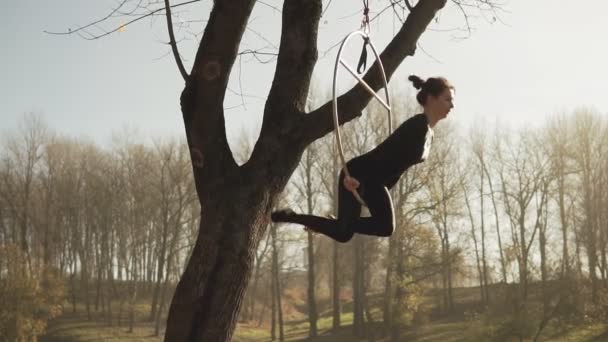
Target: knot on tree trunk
pixel 211 70
pixel 197 157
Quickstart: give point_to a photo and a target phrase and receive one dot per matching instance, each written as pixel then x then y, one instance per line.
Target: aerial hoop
pixel 364 33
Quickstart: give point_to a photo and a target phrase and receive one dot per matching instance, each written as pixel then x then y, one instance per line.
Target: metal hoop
pixel 367 87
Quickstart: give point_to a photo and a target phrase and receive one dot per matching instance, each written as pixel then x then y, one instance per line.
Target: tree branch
pixel 319 122
pixel 178 60
pixel 117 28
pixel 297 56
pixel 202 99
pixel 296 59
pixel 70 31
pixel 408 5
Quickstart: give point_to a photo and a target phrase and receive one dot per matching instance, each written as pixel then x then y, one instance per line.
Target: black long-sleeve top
pixel 406 146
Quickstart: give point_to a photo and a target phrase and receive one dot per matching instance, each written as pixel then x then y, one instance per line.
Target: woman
pixel 373 173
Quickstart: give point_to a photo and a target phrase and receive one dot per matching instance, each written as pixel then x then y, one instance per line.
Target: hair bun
pixel 417 81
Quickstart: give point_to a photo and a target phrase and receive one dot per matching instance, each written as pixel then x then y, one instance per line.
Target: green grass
pixel 590 333
pixel 74 327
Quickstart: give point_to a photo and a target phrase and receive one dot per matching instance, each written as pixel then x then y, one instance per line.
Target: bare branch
pixel 465 16
pixel 255 54
pixel 118 28
pixel 269 5
pixel 70 31
pixel 178 60
pixel 408 5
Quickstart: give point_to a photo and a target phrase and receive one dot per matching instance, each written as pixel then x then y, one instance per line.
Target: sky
pixel 539 58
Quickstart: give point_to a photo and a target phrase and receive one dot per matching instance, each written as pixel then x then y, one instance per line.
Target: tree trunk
pixel 503 265
pixel 371 336
pixel 257 275
pixel 486 297
pixel 72 266
pixel 133 292
pixel 479 267
pixel 161 267
pixel 543 270
pixel 336 307
pixel 563 219
pixel 276 278
pixel 312 306
pixel 444 276
pixel 172 260
pixel 273 303
pixel 161 307
pixel 399 294
pixel 475 245
pixel 449 273
pixel 154 256
pixel 100 268
pixel 309 162
pixel 387 312
pixel 358 322
pixel 523 263
pixel 110 288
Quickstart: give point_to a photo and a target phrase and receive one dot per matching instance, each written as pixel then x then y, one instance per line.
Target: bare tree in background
pixel 360 137
pixel 328 170
pixel 444 189
pixel 171 186
pixel 407 208
pixel 485 162
pixel 277 305
pixel 465 184
pixel 25 154
pixel 308 190
pixel 587 156
pixel 478 147
pixel 559 138
pixel 522 182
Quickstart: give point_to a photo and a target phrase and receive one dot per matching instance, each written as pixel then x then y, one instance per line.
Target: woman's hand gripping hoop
pixel 349 182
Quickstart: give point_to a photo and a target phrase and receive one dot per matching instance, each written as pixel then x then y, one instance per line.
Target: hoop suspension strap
pixel 365 27
pixel 363 58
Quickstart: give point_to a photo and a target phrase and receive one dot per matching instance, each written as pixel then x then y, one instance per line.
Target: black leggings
pixel 378 201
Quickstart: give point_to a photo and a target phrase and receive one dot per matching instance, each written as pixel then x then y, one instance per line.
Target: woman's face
pixel 442 104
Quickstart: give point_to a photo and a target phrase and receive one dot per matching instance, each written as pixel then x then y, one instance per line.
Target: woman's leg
pixel 340 230
pixel 380 205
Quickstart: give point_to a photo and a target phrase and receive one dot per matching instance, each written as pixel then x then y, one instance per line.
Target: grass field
pixel 74 327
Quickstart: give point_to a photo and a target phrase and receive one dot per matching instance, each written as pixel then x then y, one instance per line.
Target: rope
pixel 365 19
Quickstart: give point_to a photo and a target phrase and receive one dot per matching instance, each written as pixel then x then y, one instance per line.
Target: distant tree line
pixel 519 213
